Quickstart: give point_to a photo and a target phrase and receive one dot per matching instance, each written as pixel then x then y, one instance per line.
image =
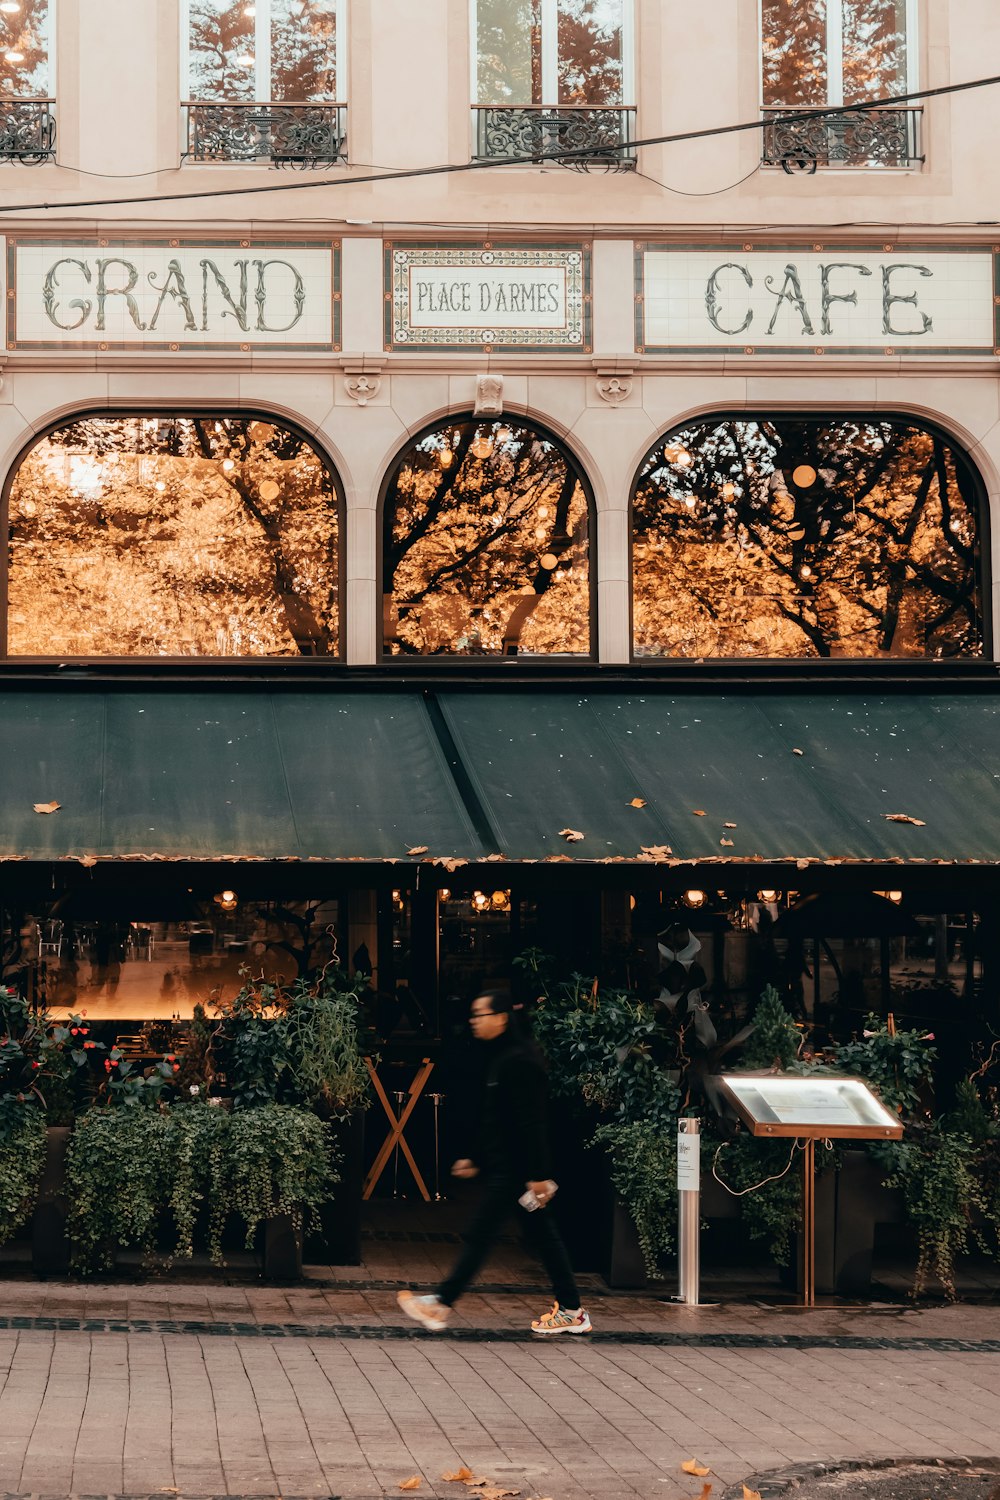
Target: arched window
pixel 807 536
pixel 169 535
pixel 485 545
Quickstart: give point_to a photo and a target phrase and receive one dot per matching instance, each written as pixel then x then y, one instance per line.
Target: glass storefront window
pixel 547 52
pixel 811 537
pixel 115 968
pixel 485 546
pixel 173 536
pixel 280 50
pixel 25 50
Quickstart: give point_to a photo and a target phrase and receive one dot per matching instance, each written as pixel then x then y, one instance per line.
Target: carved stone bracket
pixel 362 385
pixel 489 396
pixel 614 386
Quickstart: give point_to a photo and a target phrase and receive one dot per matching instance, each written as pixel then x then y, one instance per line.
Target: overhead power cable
pixel 569 154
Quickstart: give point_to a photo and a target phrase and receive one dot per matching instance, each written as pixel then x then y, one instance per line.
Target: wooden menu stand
pixel 821 1108
pixel 398 1126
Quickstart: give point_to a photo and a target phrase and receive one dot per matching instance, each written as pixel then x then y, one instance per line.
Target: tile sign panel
pixel 174 294
pixel 533 298
pixel 841 299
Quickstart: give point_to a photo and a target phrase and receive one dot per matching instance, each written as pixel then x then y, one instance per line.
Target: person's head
pixel 490 1015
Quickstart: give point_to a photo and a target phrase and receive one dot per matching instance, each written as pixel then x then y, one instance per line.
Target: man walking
pixel 514 1156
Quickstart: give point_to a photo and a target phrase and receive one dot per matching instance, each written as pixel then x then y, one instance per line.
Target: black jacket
pixel 513 1134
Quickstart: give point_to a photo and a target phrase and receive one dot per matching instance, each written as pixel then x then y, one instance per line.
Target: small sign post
pixel 809 1110
pixel 688 1209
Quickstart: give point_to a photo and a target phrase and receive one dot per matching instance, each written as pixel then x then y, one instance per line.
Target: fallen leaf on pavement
pixel 571 835
pixel 749 1494
pixel 459 1477
pixel 418 849
pixel 692 1466
pixel 413 1483
pixel 706 1490
pixel 638 802
pixel 47 807
pixel 889 818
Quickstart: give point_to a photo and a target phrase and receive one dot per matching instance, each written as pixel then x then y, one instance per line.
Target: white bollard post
pixel 688 1209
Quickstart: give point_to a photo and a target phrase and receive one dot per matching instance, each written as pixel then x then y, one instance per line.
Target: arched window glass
pixel 173 536
pixel 485 545
pixel 826 536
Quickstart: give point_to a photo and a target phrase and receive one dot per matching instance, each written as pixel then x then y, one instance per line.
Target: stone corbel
pixel 614 384
pixel 362 382
pixel 489 396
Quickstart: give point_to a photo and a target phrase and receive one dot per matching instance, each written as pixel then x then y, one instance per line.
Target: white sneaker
pixel 559 1320
pixel 430 1312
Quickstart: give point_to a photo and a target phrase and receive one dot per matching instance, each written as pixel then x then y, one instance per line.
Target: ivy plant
pixel 643 1159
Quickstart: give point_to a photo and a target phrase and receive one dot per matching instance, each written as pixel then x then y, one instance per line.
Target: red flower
pixel 171 1056
pixel 36 1065
pixel 107 1066
pixel 74 1031
pixel 177 1067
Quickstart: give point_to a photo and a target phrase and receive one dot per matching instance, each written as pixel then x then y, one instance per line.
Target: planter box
pixel 50 1247
pixel 338 1240
pixel 282 1249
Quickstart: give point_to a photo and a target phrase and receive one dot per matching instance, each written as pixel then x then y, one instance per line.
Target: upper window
pixel 25 49
pixel 551 76
pixel 281 50
pixel 822 53
pixel 485 545
pixel 172 535
pixel 262 80
pixel 804 537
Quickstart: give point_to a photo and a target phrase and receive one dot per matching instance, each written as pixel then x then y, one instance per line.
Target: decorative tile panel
pixel 175 294
pixel 819 299
pixel 533 298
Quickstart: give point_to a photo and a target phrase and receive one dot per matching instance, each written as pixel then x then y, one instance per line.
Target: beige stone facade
pixel 119 119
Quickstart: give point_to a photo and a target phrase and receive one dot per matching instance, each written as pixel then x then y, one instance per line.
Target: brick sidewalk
pixel 311 1398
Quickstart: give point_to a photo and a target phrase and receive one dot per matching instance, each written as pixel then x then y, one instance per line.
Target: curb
pixel 777 1482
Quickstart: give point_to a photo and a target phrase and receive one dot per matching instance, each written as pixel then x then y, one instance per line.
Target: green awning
pixel 808 776
pixel 345 774
pixel 225 775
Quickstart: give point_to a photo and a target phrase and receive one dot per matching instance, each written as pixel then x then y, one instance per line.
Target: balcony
pixel 600 134
pixel 27 130
pixel 286 135
pixel 855 138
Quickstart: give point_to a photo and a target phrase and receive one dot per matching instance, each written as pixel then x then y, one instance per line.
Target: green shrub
pixel 643 1161
pixel 22 1157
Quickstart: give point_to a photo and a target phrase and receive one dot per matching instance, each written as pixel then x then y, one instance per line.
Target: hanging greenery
pixel 22 1157
pixel 643 1161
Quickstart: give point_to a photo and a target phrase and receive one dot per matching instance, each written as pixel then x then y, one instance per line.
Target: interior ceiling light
pixel 482 447
pixel 245 60
pixel 9 7
pixel 13 57
pixel 804 476
pixel 695 898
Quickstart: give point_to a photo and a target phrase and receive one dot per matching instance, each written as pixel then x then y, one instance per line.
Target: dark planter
pixel 50 1247
pixel 282 1249
pixel 625 1266
pixel 851 1204
pixel 337 1241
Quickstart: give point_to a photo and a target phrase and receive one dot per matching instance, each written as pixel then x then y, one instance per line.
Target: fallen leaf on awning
pixel 797 751
pixel 729 825
pixel 492 859
pixel 413 1483
pixel 699 812
pixel 557 859
pixel 571 835
pixel 726 843
pixel 418 849
pixel 657 851
pixel 802 864
pixel 638 802
pixel 460 1476
pixel 47 807
pixel 749 1494
pixel 889 818
pixel 87 860
pixel 447 862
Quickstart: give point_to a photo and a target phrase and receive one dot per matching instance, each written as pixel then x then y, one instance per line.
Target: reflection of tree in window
pixel 193 536
pixel 226 42
pixel 24 51
pixel 221 51
pixel 524 61
pixel 485 546
pixel 818 52
pixel 303 50
pixel 806 538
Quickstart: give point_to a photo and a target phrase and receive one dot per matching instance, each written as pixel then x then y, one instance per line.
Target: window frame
pixel 141 665
pixel 51 36
pixel 454 661
pixel 793 666
pixel 262 56
pixel 834 49
pixel 549 29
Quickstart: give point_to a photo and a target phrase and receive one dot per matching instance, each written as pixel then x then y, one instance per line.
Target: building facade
pixel 431 433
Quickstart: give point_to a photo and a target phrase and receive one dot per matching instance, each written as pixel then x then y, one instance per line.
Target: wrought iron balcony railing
pixel 854 138
pixel 286 135
pixel 600 135
pixel 27 130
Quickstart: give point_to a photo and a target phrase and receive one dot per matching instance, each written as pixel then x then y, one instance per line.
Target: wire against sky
pixel 453 168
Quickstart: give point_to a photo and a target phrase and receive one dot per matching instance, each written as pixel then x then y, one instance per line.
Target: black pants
pixel 498 1203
